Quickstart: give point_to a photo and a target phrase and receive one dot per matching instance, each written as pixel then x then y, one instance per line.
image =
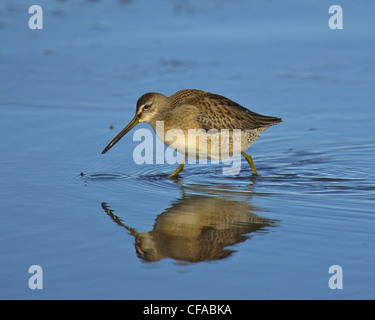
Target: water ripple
pixel 324 171
pixel 105 176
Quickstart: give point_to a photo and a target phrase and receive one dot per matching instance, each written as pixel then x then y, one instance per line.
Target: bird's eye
pixel 147 106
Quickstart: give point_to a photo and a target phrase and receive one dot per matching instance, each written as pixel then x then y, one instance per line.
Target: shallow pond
pixel 103 227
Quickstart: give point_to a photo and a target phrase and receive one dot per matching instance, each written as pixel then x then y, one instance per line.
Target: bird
pixel 209 114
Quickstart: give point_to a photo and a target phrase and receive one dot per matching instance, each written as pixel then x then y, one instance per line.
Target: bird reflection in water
pixel 196 228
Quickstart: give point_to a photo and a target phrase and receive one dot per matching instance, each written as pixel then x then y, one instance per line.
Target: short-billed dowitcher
pixel 192 109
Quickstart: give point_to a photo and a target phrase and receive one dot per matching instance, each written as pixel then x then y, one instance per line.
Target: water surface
pixel 103 227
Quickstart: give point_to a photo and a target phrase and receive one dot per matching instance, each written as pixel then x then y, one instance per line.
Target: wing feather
pixel 217 112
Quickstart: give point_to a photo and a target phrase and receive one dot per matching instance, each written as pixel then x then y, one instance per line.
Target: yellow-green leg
pixel 251 162
pixel 179 169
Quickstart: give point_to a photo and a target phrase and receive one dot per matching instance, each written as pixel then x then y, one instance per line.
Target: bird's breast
pixel 211 144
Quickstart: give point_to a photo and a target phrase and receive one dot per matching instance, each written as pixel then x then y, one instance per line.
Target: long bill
pixel 123 132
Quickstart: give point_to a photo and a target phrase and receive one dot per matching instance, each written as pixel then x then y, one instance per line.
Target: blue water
pixel 124 231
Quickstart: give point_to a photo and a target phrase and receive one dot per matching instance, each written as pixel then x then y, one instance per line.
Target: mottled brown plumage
pixel 212 111
pixel 195 109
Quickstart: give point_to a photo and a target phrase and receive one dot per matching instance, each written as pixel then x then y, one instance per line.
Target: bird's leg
pixel 179 169
pixel 251 162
